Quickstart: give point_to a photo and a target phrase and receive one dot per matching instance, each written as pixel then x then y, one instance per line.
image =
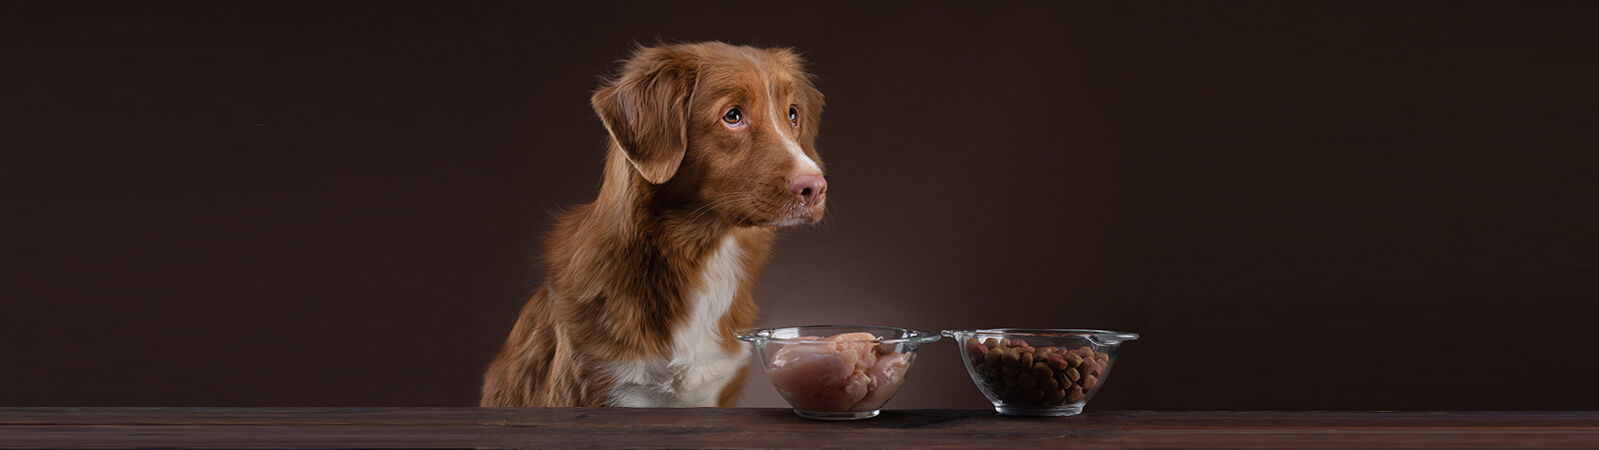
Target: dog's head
pixel 727 131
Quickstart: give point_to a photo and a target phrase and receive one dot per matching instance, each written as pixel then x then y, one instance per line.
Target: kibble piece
pixel 1048 349
pixel 1049 384
pixel 1041 370
pixel 1012 360
pixel 993 357
pixel 1011 371
pixel 991 343
pixel 1092 367
pixel 1055 396
pixel 1073 375
pixel 1074 359
pixel 1018 343
pixel 1089 382
pixel 1004 342
pixel 1026 380
pixel 1034 394
pixel 1075 395
pixel 1057 362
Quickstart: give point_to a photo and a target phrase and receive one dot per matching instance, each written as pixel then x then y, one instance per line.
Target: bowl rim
pixel 1098 334
pixel 913 336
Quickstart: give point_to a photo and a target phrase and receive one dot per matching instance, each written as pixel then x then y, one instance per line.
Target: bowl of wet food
pixel 836 372
pixel 1039 372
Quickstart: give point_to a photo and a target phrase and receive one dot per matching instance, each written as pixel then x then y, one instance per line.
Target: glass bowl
pixel 1038 372
pixel 836 372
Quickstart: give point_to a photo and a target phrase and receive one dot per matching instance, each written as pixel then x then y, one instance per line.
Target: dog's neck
pixel 637 253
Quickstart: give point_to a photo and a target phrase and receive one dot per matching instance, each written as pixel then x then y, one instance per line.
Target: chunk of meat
pixel 840 373
pixel 886 375
pixel 797 365
pixel 859 347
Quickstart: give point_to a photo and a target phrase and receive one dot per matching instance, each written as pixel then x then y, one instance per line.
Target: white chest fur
pixel 698 368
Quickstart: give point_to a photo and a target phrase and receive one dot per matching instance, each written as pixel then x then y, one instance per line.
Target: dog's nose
pixel 811 189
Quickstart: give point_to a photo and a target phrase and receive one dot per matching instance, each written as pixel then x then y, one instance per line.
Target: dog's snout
pixel 810 188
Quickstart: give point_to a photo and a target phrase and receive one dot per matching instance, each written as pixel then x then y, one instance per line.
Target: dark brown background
pixel 1328 205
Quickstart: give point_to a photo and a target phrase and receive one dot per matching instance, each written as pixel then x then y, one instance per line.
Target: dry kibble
pixel 1074 359
pixel 1091 367
pixel 1075 395
pixel 1012 360
pixel 1057 362
pixel 1041 370
pixel 1020 374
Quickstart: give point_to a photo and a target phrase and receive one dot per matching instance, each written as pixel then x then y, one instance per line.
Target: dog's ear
pixel 646 109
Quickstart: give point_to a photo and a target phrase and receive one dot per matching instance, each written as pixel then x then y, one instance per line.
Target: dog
pixel 711 149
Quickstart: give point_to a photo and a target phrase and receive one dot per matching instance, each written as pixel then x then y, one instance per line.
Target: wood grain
pixel 742 427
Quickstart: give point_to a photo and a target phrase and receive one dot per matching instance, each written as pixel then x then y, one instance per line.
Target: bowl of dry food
pixel 836 372
pixel 1039 372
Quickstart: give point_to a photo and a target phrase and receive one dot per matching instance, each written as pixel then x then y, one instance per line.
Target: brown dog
pixel 712 147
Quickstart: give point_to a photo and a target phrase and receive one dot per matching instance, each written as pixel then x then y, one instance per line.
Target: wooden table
pixel 584 427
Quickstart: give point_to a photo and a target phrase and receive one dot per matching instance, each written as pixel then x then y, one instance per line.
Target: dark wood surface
pixel 743 427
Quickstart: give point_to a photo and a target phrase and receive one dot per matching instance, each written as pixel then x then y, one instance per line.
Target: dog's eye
pixel 733 116
pixel 793 116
